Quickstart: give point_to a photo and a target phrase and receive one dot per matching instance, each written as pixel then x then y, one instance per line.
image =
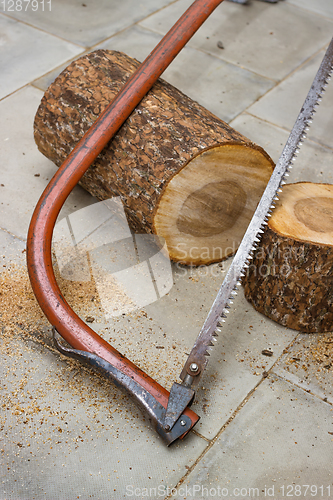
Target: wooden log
pixel 181 172
pixel 290 279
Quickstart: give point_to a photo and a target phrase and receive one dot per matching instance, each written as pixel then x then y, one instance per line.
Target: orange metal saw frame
pixel 39 260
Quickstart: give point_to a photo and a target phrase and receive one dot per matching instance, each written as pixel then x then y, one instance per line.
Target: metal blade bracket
pixel 198 357
pixel 179 393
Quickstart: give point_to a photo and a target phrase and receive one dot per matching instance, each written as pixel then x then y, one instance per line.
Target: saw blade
pixel 197 359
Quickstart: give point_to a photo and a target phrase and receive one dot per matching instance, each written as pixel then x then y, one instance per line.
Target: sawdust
pixel 26 389
pixel 28 380
pixel 135 335
pixel 20 311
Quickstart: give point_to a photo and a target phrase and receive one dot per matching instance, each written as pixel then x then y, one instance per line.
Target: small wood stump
pixel 181 172
pixel 290 279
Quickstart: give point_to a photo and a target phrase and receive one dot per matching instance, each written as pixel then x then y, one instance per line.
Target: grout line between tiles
pixel 41 30
pixel 12 234
pixel 220 59
pixel 308 139
pixel 95 45
pixel 201 436
pixel 278 82
pixel 312 12
pixel 84 47
pixel 295 381
pixel 20 88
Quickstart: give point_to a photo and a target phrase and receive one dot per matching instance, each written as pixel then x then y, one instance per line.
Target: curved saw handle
pixel 39 258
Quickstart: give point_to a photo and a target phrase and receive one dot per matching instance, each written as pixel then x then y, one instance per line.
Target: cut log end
pixel 206 208
pixel 290 279
pixel 305 212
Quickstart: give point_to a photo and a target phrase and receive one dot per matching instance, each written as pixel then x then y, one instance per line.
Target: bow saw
pixel 168 412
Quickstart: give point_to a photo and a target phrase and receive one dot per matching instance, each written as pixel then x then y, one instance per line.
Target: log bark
pixel 181 172
pixel 290 279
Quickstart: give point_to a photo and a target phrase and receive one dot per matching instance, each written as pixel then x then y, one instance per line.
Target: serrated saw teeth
pixel 249 243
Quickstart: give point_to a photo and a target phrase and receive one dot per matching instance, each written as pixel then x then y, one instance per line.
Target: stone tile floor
pixel 67 434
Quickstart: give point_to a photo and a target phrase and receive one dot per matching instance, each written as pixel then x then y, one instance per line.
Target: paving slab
pixel 136 42
pixel 65 433
pixel 282 104
pixel 27 53
pixel 85 23
pixel 12 250
pixel 24 171
pixel 264 38
pixel 215 84
pixel 279 445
